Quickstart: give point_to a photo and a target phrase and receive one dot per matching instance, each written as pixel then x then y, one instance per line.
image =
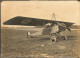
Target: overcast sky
pixel 64 10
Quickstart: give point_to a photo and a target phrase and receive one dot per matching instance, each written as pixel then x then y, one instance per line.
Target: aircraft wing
pixel 27 21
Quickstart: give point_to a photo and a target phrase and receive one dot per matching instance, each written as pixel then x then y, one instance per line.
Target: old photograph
pixel 40 29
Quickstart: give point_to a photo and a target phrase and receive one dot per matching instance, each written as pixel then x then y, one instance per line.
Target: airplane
pixel 42 27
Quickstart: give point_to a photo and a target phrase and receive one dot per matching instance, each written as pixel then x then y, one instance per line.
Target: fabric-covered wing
pixel 32 21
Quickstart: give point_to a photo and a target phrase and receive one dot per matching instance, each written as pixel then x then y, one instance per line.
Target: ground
pixel 14 43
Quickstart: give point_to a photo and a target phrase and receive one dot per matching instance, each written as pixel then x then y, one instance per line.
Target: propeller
pixel 68 29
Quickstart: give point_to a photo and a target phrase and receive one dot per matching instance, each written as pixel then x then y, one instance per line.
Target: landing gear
pixel 53 38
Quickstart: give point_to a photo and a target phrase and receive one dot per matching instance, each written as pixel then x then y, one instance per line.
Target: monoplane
pixel 43 27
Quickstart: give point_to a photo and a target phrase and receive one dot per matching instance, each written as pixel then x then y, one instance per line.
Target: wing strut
pixel 53 16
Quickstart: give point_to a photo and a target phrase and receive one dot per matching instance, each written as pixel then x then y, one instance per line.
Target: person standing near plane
pixel 54 30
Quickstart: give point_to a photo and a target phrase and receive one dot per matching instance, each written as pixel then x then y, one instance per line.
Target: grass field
pixel 14 43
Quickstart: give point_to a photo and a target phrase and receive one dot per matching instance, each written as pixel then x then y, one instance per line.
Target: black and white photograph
pixel 40 29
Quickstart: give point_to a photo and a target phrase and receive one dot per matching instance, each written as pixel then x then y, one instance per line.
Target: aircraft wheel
pixel 64 38
pixel 53 38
